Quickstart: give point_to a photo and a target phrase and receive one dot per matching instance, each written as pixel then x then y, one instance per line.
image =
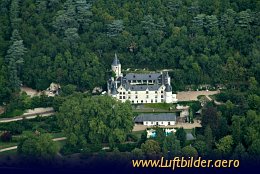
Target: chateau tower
pixel 116 66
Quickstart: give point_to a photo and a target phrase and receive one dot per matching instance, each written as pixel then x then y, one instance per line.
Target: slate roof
pixel 133 76
pixel 168 88
pixel 142 87
pixel 155 117
pixel 115 61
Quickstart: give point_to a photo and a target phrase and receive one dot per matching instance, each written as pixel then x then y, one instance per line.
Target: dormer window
pixel 150 76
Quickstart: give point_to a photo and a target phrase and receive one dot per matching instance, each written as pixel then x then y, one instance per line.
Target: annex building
pixel 140 88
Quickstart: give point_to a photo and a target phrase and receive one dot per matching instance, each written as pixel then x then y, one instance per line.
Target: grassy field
pixel 165 106
pixel 154 107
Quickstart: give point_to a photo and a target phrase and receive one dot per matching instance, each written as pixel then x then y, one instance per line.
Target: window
pixel 129 97
pixel 161 122
pixel 147 96
pixel 123 97
pixel 151 122
pixel 147 92
pixel 133 101
pixel 142 101
pixel 120 93
pixel 147 122
pixel 129 92
pixel 157 124
pixel 161 91
pixel 156 96
pixel 155 92
pixel 151 101
pixel 155 100
pixel 123 92
pixel 120 97
pixel 136 97
pixel 161 96
pixel 135 92
pixel 169 123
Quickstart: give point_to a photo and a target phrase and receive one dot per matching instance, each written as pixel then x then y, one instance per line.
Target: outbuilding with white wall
pixel 156 119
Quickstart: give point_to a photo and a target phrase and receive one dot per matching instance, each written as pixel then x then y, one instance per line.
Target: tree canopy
pixel 95 120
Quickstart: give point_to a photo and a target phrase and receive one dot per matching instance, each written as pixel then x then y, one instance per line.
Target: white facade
pixel 146 96
pixel 140 88
pixel 159 123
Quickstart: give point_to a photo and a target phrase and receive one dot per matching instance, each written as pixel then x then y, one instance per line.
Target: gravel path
pixel 31 92
pixel 192 95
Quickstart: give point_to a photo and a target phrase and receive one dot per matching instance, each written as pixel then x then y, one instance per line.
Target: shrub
pixel 6 136
pixel 131 137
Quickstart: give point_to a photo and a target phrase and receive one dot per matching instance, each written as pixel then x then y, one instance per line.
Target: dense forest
pixel 73 42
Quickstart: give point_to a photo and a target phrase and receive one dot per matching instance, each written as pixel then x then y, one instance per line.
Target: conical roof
pixel 115 61
pixel 168 88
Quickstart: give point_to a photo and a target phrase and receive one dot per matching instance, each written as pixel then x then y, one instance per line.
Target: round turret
pixel 168 93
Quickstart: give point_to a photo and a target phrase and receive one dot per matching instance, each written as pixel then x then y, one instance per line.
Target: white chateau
pixel 140 88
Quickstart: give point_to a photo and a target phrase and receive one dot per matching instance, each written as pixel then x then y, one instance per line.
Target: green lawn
pixel 164 106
